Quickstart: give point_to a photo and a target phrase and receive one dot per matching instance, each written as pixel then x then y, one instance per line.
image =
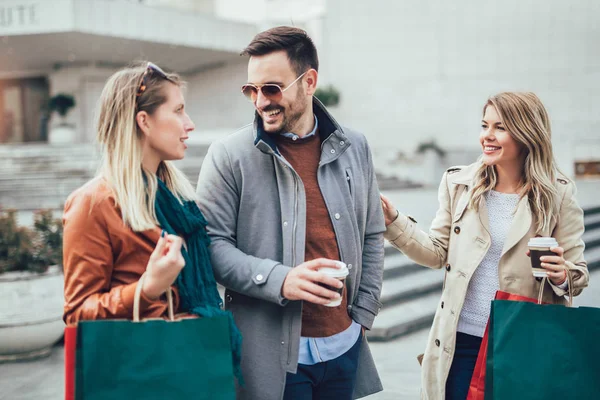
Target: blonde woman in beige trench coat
pixel 487 213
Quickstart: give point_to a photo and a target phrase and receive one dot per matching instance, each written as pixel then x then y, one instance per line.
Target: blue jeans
pixel 329 380
pixel 463 364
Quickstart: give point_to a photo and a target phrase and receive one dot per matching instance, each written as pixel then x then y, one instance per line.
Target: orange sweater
pixel 304 156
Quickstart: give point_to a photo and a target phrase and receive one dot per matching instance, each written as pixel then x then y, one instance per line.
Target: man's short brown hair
pixel 300 49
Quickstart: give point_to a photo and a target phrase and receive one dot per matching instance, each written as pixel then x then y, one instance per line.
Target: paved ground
pixel 396 361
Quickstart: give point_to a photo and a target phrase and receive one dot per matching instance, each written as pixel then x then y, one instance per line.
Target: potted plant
pixel 61 131
pixel 31 286
pixel 328 95
pixel 431 145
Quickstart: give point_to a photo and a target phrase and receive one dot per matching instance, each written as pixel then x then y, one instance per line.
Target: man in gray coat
pixel 284 197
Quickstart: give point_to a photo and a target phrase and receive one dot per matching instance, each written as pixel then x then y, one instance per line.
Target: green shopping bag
pixel 542 352
pixel 154 359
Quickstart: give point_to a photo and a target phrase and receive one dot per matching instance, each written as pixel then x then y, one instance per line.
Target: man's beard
pixel 289 121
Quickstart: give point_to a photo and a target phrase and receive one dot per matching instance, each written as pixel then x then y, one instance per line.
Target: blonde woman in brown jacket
pixel 111 235
pixel 488 212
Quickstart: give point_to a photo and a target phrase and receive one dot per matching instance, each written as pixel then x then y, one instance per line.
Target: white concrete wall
pixel 214 100
pixel 201 6
pixel 85 84
pixel 262 12
pixel 413 71
pixel 19 17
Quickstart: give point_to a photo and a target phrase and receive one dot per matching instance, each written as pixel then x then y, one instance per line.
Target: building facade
pixel 414 71
pixel 409 73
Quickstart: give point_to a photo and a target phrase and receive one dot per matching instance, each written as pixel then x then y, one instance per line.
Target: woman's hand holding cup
pixel 555 266
pixel 165 263
pixel 547 258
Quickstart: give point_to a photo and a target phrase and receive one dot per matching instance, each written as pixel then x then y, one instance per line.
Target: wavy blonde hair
pixel 526 120
pixel 120 141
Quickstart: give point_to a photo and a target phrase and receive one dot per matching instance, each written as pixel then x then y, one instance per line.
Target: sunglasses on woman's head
pixel 151 68
pixel 271 91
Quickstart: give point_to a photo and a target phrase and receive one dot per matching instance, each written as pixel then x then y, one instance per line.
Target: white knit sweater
pixel 484 283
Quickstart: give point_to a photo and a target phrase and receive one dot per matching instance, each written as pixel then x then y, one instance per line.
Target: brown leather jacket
pixel 103 258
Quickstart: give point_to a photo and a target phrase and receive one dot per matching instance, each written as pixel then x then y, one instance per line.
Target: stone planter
pixel 62 134
pixel 31 307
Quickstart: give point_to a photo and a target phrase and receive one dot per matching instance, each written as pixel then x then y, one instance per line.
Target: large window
pixel 24 110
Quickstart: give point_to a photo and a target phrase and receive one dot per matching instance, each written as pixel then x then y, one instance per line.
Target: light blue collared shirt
pixel 316 350
pixel 293 136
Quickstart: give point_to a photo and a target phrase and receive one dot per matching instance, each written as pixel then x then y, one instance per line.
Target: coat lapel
pixel 520 225
pixel 483 217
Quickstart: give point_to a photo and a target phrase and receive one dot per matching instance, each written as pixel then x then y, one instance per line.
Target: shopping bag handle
pixel 569 286
pixel 138 295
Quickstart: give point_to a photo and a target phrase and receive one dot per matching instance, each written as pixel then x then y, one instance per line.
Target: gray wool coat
pixel 255 206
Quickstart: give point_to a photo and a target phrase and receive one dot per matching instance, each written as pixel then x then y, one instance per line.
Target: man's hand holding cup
pixel 318 281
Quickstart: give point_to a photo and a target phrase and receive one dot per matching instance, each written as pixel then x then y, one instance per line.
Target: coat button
pixel 336 216
pixel 285 223
pixel 332 151
pixel 457 229
pixel 228 298
pixel 437 342
pixel 259 277
pixel 349 266
pixel 342 143
pixel 448 267
pixel 442 304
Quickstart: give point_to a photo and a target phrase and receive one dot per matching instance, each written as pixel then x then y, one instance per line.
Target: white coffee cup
pixel 538 247
pixel 337 273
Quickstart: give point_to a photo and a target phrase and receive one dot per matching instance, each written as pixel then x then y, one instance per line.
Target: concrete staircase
pixel 411 293
pixel 34 176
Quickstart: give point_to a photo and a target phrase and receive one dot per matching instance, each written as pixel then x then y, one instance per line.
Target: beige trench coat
pixel 459 239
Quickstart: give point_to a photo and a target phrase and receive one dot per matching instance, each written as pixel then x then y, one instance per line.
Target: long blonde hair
pixel 526 120
pixel 120 140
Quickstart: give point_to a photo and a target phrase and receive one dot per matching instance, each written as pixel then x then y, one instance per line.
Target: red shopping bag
pixel 70 345
pixel 477 386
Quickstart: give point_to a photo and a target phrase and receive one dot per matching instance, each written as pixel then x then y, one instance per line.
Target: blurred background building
pixel 413 76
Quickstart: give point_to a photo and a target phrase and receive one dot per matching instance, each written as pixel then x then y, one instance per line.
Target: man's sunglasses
pixel 270 90
pixel 151 69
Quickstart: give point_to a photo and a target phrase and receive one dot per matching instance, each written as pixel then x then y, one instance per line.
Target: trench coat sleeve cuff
pixel 364 310
pixel 400 231
pixel 559 290
pixel 563 289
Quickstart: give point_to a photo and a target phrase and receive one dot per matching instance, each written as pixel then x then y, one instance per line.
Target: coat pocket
pixel 350 181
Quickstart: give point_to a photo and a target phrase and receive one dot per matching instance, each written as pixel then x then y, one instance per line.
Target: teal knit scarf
pixel 196 282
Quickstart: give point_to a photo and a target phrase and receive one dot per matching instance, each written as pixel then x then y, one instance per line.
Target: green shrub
pixel 328 95
pixel 29 249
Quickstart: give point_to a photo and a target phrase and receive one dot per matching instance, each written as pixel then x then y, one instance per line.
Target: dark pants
pixel 463 364
pixel 329 380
